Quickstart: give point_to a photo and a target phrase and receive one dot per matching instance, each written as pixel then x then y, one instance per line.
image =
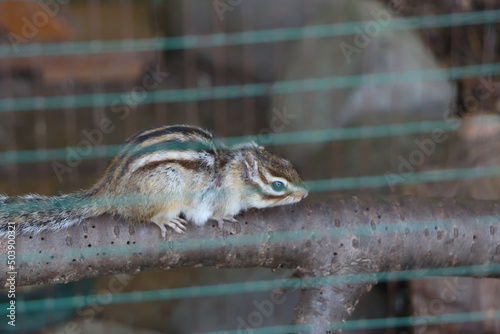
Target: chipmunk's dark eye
pixel 278 186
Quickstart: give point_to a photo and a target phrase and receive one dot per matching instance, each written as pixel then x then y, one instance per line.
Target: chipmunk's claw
pixel 177 224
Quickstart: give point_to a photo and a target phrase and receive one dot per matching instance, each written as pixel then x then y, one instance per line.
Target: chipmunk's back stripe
pixel 170 142
pixel 183 130
pixel 184 156
pixel 130 156
pixel 180 138
pixel 187 164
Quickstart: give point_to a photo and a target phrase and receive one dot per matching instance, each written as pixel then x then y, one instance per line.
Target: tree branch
pixel 339 236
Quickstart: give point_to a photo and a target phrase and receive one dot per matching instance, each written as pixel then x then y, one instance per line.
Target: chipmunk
pixel 167 176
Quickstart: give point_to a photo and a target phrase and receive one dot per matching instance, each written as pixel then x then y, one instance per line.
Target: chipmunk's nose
pixel 300 190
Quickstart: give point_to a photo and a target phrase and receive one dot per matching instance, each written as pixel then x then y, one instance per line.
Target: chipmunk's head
pixel 272 180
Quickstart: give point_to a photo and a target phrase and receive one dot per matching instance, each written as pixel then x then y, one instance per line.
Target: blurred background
pixel 363 96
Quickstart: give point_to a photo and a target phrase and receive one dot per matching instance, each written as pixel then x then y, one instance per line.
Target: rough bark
pixel 335 237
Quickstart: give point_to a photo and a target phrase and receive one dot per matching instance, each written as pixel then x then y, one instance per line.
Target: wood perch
pixel 338 236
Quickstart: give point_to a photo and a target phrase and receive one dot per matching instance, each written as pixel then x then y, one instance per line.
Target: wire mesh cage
pixel 363 97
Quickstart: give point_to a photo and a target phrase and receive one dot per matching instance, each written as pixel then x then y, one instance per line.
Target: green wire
pixel 243 38
pixel 393 179
pixel 250 287
pixel 248 90
pixel 299 137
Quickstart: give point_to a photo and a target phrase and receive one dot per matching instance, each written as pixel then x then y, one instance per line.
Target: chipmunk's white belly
pixel 231 208
pixel 200 215
pixel 202 207
pixel 211 205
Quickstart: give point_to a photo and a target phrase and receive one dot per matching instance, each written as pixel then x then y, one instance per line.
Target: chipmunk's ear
pixel 252 167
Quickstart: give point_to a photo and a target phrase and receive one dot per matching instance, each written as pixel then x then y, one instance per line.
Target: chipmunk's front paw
pixel 176 223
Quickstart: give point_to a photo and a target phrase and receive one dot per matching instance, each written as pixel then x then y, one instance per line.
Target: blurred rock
pixel 369 52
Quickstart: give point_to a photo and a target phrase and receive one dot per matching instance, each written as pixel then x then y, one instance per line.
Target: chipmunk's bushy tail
pixel 34 213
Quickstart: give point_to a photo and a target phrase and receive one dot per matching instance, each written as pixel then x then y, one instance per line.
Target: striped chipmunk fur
pixel 167 176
